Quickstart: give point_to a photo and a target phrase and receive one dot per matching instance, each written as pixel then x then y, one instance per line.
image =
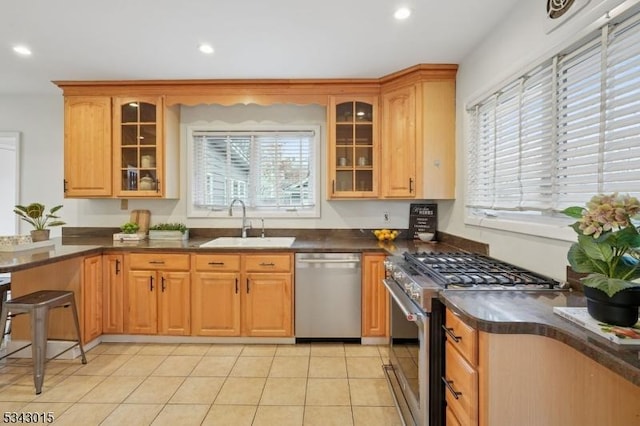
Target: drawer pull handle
pixel 157 262
pixel 267 264
pixel 150 283
pixel 164 286
pixel 117 267
pixel 247 285
pixel 236 286
pixel 216 263
pixel 449 385
pixel 449 331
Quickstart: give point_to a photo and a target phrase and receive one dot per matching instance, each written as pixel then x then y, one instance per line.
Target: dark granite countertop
pixel 531 312
pixel 68 247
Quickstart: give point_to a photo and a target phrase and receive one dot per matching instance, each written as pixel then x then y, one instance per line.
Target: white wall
pixel 40 121
pixel 509 50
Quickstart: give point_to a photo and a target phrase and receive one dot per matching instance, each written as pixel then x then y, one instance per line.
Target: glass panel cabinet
pixel 352 156
pixel 138 147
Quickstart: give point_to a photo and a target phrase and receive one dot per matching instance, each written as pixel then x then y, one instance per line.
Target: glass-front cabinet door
pixel 353 158
pixel 138 148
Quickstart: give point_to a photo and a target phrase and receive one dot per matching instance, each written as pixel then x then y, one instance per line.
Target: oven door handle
pixel 403 301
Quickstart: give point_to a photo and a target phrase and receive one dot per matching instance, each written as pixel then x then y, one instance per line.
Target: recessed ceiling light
pixel 402 13
pixel 22 50
pixel 206 48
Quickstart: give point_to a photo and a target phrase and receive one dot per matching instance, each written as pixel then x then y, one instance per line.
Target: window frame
pixel 544 222
pixel 223 212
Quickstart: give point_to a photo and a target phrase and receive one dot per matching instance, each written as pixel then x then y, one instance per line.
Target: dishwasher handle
pixel 352 260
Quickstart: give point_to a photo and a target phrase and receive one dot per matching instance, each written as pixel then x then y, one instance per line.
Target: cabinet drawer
pixel 159 261
pixel 217 262
pixel 462 379
pixel 268 263
pixel 462 337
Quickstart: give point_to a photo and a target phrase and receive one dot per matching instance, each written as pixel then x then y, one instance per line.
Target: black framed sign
pixel 422 218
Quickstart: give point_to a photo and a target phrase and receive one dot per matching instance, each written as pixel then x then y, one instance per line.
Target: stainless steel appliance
pixel 327 295
pixel 416 355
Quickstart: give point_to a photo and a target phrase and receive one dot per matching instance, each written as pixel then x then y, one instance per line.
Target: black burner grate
pixel 469 270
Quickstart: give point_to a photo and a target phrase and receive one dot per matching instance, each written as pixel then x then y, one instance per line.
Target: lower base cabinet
pixel 242 295
pixel 91 290
pixel 375 298
pixel 530 380
pixel 113 294
pixel 158 294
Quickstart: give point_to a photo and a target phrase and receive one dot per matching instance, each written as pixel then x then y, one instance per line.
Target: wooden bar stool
pixel 38 305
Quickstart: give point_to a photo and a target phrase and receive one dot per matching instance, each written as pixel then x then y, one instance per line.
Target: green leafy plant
pixel 608 242
pixel 169 227
pixel 35 215
pixel 130 228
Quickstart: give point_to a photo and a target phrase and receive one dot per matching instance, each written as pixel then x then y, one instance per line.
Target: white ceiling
pixel 158 39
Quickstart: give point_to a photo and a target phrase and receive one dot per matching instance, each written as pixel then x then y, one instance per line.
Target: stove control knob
pixel 397 275
pixel 415 295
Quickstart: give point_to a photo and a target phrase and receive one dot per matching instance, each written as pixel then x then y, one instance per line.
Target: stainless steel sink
pixel 250 242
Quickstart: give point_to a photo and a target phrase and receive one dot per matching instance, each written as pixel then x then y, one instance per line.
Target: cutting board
pixel 142 218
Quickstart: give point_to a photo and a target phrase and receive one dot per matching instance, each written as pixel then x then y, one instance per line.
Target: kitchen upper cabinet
pixel 399 143
pixel 375 298
pixel 418 138
pixel 353 163
pixel 437 152
pixel 143 149
pixel 87 146
pixel 124 147
pixel 157 296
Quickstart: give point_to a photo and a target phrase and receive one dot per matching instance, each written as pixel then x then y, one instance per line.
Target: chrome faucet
pixel 244 216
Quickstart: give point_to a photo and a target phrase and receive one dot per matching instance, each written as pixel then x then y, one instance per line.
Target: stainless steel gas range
pixel 416 352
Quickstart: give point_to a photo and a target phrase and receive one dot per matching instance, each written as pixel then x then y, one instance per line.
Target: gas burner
pixel 470 270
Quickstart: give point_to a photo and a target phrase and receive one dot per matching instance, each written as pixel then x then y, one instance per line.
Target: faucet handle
pixel 262 220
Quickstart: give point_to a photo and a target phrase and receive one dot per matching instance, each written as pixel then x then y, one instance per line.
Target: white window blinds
pixel 266 169
pixel 565 131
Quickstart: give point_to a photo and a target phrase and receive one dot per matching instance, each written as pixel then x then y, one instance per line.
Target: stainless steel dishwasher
pixel 328 296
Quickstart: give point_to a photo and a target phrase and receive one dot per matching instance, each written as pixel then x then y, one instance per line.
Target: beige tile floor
pixel 208 384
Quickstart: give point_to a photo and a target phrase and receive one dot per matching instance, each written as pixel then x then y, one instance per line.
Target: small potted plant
pixel 36 216
pixel 169 231
pixel 608 250
pixel 129 232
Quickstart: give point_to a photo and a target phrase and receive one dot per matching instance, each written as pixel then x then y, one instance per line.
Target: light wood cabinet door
pixel 267 301
pixel 375 298
pixel 174 304
pixel 87 146
pixel 398 146
pixel 352 156
pixel 146 142
pixel 461 392
pixel 92 298
pixel 437 148
pixel 112 294
pixel 215 304
pixel 141 316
